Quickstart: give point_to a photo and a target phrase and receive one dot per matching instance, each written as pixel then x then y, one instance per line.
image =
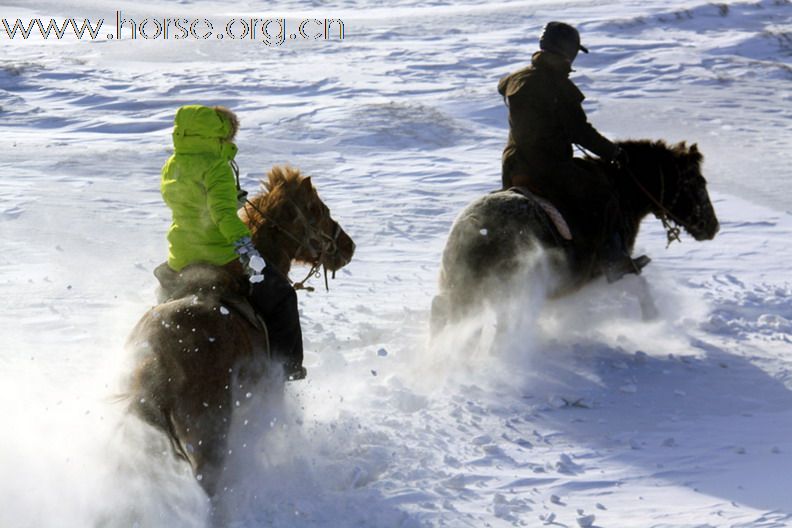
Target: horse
pixel 200 348
pixel 496 235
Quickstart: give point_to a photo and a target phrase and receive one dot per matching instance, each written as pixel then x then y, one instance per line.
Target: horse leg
pixel 450 308
pixel 440 315
pixel 649 309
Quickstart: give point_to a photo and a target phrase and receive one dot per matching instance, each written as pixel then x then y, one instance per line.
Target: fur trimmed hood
pixel 202 130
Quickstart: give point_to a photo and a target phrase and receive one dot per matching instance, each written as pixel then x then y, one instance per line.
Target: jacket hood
pixel 551 60
pixel 200 129
pixel 546 61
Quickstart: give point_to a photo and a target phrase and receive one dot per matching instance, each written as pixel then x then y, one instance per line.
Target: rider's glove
pixel 251 259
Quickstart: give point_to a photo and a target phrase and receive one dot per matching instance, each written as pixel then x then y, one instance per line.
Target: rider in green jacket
pixel 200 187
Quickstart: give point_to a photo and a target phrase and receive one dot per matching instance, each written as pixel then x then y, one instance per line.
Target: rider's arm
pixel 221 197
pixel 581 132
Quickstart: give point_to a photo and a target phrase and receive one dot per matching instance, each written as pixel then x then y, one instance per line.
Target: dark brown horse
pixel 198 354
pixel 498 234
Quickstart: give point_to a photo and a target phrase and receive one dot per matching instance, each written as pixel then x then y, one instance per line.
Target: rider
pixel 199 185
pixel 546 118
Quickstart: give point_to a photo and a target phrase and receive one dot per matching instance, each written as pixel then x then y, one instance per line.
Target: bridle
pixel 328 244
pixel 671 222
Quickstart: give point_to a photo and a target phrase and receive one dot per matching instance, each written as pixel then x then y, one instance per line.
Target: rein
pixel 671 223
pixel 664 215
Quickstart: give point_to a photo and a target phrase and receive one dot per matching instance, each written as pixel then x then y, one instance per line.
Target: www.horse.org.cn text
pixel 268 31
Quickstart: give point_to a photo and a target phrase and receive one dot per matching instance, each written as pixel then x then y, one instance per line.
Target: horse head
pixel 670 178
pixel 292 212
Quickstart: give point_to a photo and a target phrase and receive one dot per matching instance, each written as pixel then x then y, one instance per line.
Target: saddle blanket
pixel 554 214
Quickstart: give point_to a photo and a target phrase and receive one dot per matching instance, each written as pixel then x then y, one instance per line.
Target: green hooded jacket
pixel 199 186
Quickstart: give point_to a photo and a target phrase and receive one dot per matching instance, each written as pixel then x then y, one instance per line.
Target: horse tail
pixel 176 445
pixel 160 418
pixel 120 397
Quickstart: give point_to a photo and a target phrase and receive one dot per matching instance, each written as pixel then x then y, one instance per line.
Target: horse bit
pixel 670 221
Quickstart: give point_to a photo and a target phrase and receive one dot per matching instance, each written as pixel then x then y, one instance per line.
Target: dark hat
pixel 561 38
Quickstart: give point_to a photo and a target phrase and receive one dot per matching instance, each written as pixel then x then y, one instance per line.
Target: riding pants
pixel 275 300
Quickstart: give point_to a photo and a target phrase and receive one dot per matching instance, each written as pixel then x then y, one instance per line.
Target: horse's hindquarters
pixel 190 355
pixel 497 243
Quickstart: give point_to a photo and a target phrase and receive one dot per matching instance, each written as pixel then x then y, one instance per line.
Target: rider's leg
pixel 595 193
pixel 276 301
pixel 587 198
pixel 614 255
pixel 617 261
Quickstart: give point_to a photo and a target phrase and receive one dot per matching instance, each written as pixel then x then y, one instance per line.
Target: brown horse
pixel 197 352
pixel 497 234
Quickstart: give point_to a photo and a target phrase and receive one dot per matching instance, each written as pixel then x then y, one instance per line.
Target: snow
pixel 583 415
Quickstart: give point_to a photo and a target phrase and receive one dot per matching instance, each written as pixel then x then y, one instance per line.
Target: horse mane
pixel 660 151
pixel 283 182
pixel 271 214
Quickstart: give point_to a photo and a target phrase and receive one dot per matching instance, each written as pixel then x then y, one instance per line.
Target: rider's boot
pixel 294 372
pixel 618 262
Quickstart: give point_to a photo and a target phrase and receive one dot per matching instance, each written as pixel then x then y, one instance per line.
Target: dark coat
pixel 545 118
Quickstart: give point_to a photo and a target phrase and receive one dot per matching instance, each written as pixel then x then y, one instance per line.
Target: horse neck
pixel 637 185
pixel 273 238
pixel 634 189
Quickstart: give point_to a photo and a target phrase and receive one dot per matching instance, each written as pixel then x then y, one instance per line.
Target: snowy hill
pixel 587 415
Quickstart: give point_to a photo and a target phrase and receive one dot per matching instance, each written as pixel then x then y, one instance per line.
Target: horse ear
pixel 305 185
pixel 694 153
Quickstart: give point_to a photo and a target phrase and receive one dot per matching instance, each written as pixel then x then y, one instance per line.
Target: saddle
pixel 197 278
pixel 555 216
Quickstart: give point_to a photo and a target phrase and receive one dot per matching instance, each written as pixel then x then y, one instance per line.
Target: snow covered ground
pixel 585 416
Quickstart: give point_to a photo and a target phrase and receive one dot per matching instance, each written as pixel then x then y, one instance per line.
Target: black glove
pixel 620 158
